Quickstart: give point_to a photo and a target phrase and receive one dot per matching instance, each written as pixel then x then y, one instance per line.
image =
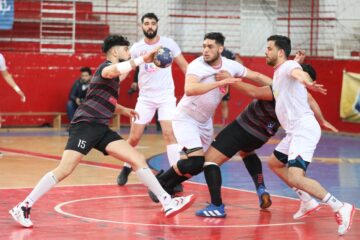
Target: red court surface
pixel 112 212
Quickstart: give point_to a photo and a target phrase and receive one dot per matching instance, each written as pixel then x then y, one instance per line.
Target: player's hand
pixel 130 113
pixel 231 80
pixel 149 57
pixel 329 126
pixel 300 56
pixel 22 95
pixel 313 86
pixel 222 74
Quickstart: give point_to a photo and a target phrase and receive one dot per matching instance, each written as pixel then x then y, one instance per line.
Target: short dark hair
pixel 217 36
pixel 310 70
pixel 149 15
pixel 86 69
pixel 114 40
pixel 282 42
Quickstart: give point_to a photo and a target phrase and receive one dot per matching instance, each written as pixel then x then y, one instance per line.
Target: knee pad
pixel 193 165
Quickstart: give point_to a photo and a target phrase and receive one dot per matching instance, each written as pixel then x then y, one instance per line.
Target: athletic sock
pixel 333 202
pixel 148 179
pixel 253 165
pixel 44 185
pixel 173 153
pixel 304 196
pixel 213 179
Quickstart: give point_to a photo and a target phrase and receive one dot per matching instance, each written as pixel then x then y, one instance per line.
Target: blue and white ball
pixel 163 58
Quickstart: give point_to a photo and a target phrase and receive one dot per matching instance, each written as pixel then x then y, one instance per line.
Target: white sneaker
pixel 306 208
pixel 178 204
pixel 21 214
pixel 344 218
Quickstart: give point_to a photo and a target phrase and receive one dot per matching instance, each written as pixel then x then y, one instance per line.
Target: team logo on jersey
pixel 150 67
pixel 270 127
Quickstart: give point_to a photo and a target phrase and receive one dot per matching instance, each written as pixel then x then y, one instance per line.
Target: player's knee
pixel 193 165
pixel 133 140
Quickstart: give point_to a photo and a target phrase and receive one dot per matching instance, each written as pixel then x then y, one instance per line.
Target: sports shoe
pixel 344 218
pixel 212 211
pixel 21 214
pixel 306 208
pixel 264 197
pixel 178 204
pixel 123 176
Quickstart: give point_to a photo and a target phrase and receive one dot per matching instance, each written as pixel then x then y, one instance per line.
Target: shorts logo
pixel 82 144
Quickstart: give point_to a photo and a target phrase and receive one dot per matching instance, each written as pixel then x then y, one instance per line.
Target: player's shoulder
pixel 199 61
pixel 166 39
pixel 292 63
pixel 137 44
pixel 230 62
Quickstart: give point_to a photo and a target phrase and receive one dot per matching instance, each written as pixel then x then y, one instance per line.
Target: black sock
pixel 213 179
pixel 254 167
pixel 170 179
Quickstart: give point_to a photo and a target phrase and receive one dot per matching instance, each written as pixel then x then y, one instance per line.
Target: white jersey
pixel 290 96
pixel 2 63
pixel 202 107
pixel 155 84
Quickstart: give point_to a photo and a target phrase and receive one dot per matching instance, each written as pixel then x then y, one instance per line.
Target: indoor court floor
pixel 89 204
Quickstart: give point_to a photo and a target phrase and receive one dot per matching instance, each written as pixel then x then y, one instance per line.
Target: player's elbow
pixel 189 92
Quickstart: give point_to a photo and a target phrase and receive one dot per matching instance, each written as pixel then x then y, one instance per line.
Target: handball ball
pixel 163 57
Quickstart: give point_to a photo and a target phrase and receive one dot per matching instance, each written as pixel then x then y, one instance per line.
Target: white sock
pixel 127 165
pixel 44 185
pixel 173 153
pixel 148 179
pixel 333 202
pixel 304 196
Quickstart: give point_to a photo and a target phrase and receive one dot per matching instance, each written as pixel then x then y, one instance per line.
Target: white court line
pixel 87 164
pixel 59 210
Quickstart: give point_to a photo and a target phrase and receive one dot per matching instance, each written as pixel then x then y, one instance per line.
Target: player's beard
pixel 150 35
pixel 123 60
pixel 270 61
pixel 214 59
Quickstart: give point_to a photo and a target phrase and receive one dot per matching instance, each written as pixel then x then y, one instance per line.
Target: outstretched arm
pixel 304 78
pixel 9 79
pixel 258 78
pixel 117 69
pixel 194 87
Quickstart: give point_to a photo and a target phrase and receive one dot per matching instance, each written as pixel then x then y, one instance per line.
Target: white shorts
pixel 302 140
pixel 146 110
pixel 190 133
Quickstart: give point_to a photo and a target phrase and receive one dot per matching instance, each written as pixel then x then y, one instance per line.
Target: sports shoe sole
pixel 351 219
pixel 192 200
pixel 266 201
pixel 309 212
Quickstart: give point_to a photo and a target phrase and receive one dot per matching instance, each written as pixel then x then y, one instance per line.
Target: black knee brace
pixel 192 165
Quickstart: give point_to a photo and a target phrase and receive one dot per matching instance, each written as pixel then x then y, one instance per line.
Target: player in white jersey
pixel 9 79
pixel 302 130
pixel 156 87
pixel 192 123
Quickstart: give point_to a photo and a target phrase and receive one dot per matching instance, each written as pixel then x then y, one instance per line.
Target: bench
pixel 57 117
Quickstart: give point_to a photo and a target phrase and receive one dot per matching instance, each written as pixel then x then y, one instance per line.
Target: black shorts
pixel 234 138
pixel 84 136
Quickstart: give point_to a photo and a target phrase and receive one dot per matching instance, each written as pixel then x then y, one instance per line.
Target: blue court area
pixel 336 166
